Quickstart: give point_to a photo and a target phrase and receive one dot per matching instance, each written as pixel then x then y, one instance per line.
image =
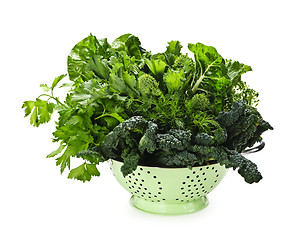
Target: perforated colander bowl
pixel 169 190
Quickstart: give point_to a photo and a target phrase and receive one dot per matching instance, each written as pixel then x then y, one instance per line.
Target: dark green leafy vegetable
pixel 164 109
pixel 244 126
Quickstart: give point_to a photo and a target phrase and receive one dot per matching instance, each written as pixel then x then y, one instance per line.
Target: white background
pixel 36 202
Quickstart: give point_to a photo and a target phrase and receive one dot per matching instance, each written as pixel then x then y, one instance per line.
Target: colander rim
pixel 174 168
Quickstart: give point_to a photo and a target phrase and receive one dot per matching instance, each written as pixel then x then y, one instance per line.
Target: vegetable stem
pixel 195 87
pixel 54 98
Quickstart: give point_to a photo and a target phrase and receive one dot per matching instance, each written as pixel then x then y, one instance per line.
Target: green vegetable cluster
pixel 165 109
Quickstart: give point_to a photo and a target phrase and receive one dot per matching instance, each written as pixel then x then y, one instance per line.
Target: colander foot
pixel 169 208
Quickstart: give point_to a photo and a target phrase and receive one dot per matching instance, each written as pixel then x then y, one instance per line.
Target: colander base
pixel 165 208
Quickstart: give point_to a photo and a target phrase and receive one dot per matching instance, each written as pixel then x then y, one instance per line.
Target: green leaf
pixel 76 119
pixel 174 47
pixel 174 81
pixel 28 106
pixel 113 115
pixel 118 84
pixel 44 110
pixel 156 66
pixel 45 87
pixel 92 170
pixel 130 44
pixel 99 67
pixel 172 52
pixel 130 81
pixel 57 80
pixel 80 173
pixel 235 70
pixel 64 160
pixel 81 54
pixel 34 118
pixel 84 172
pixel 56 152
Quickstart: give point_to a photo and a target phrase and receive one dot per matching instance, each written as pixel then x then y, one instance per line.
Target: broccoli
pixel 148 86
pixel 183 62
pixel 199 102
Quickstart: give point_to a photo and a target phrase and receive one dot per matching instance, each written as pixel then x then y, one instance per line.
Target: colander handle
pixel 255 149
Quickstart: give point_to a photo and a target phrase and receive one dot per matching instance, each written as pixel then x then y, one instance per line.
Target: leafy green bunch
pixel 125 103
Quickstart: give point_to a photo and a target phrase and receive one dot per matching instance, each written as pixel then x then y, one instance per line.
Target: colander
pixel 169 191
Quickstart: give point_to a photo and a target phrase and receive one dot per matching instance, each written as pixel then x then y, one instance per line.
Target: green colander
pixel 169 191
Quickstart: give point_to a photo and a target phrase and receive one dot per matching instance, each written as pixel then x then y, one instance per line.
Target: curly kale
pixel 177 159
pixel 131 160
pixel 148 141
pixel 137 141
pixel 244 126
pixel 246 168
pixel 174 139
pixel 227 119
pixel 204 139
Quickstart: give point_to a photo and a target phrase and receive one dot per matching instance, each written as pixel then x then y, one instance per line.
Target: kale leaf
pixel 244 126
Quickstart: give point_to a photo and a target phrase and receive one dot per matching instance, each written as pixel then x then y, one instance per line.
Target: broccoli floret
pixel 198 102
pixel 183 62
pixel 148 86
